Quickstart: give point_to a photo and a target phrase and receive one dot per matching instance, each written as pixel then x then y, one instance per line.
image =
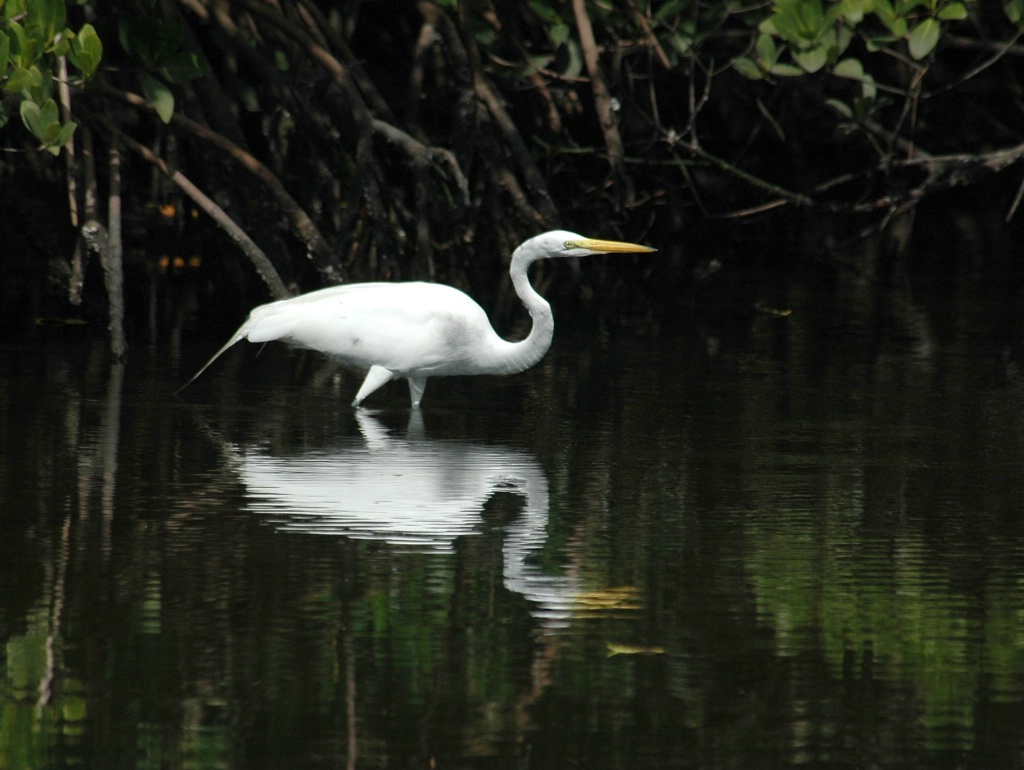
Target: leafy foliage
pixel 34 38
pixel 801 37
pixel 155 38
pixel 350 141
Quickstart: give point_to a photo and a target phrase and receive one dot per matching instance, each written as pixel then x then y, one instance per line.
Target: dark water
pixel 802 547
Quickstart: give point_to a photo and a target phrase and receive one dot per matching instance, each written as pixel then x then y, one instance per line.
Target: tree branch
pixel 545 214
pixel 322 256
pixel 112 257
pixel 603 102
pixel 264 267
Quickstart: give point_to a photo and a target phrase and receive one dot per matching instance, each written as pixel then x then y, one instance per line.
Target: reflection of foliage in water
pixel 823 526
pixel 34 726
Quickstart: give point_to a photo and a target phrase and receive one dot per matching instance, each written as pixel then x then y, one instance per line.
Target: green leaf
pixel 63 44
pixel 43 121
pixel 841 107
pixel 559 33
pixel 899 27
pixel 682 43
pixel 568 59
pixel 668 11
pixel 839 41
pixel 153 37
pixel 875 44
pixel 1014 10
pixel 14 9
pixel 905 7
pixel 784 27
pixel 29 82
pixel 854 11
pixel 86 50
pixel 783 70
pixel 64 135
pixel 15 41
pixel 126 37
pixel 785 23
pixel 894 22
pixel 485 36
pixel 159 97
pixel 798 21
pixel 26 47
pixel 45 19
pixel 31 50
pixel 19 81
pixel 767 27
pixel 813 59
pixel 868 89
pixel 183 67
pixel 545 12
pixel 170 32
pixel 849 68
pixel 924 38
pixel 748 69
pixel 32 117
pixel 767 53
pixel 953 12
pixel 49 111
pixel 5 52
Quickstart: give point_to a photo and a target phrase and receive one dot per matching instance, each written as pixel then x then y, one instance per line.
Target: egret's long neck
pixel 514 357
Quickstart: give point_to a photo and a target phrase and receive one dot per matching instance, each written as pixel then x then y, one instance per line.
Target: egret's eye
pixel 570 245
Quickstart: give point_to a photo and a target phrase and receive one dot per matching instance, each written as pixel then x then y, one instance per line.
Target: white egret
pixel 418 330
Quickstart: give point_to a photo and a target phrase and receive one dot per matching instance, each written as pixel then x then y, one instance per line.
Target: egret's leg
pixel 416 387
pixel 375 378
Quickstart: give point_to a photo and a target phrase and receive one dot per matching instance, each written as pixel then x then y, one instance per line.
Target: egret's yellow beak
pixel 610 247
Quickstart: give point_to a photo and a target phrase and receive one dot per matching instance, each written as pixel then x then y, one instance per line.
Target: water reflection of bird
pixel 416 494
pixel 418 330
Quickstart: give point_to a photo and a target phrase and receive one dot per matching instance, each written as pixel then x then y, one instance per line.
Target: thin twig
pixel 1009 47
pixel 1016 201
pixel 652 40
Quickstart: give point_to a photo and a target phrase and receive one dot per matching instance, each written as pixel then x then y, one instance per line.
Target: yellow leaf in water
pixel 621 598
pixel 632 649
pixel 774 311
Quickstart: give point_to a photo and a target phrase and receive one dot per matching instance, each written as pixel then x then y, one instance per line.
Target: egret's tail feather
pixel 243 330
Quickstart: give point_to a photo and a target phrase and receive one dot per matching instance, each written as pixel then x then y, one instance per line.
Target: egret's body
pixel 417 330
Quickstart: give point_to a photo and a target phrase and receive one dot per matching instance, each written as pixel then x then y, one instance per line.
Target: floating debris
pixel 633 649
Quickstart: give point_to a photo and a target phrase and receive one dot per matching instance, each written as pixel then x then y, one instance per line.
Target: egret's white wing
pixel 404 327
pixel 408 328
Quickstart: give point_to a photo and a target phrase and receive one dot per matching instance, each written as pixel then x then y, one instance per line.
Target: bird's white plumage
pixel 417 330
pixel 410 328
